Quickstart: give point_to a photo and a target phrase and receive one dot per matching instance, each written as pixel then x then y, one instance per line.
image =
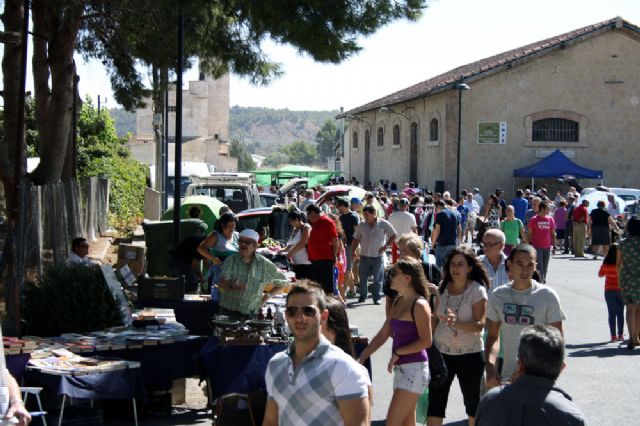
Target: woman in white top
pixel 461 309
pixel 297 245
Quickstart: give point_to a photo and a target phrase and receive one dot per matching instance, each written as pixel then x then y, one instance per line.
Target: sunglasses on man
pixel 307 311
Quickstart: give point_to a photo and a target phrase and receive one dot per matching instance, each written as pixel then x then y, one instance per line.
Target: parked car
pixel 348 192
pixel 597 195
pixel 237 190
pixel 268 199
pixel 269 222
pixel 629 195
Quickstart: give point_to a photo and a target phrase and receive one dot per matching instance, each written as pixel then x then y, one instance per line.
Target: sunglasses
pixel 489 244
pixel 307 311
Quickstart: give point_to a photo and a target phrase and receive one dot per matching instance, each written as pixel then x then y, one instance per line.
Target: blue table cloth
pixel 118 384
pixel 16 364
pixel 241 368
pixel 162 364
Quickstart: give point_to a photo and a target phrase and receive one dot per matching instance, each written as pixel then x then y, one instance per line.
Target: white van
pixel 237 190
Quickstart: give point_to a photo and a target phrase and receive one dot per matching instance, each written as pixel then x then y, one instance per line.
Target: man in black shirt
pixel 185 260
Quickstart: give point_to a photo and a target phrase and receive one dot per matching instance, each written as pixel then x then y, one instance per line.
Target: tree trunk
pixel 40 67
pixel 64 26
pixel 12 20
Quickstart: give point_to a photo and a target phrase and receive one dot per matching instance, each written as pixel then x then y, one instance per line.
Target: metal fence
pixel 53 215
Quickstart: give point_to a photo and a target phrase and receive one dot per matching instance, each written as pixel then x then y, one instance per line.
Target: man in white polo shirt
pixel 403 222
pixel 314 382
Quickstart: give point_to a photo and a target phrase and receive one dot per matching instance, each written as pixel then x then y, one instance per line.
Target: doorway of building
pixel 413 153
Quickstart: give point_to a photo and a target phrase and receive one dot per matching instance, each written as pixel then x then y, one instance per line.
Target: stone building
pixel 579 92
pixel 205 126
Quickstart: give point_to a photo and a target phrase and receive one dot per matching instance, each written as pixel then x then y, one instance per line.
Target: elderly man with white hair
pixel 245 276
pixel 494 259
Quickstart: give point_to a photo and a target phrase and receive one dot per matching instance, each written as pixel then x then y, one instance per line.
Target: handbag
pixel 437 366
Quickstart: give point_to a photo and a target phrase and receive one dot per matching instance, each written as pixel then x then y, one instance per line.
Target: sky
pixel 449 34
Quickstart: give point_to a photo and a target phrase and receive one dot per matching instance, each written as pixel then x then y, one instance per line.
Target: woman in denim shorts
pixel 408 323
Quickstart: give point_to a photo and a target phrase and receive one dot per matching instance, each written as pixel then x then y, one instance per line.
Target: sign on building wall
pixel 492 133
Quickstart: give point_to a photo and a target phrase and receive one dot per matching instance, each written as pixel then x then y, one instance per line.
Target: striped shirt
pixel 256 275
pixel 499 276
pixel 309 395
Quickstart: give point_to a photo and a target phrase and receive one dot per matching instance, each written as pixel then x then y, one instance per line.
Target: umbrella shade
pixel 209 208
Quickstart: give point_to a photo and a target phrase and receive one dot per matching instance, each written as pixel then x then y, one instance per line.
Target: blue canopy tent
pixel 556 165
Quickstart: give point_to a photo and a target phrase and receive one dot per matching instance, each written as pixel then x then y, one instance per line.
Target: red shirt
pixel 611 277
pixel 580 214
pixel 540 229
pixel 323 232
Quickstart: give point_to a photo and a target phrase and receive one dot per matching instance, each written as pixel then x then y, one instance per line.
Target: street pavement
pixel 600 376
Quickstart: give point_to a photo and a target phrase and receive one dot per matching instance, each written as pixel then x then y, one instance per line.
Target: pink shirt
pixel 540 229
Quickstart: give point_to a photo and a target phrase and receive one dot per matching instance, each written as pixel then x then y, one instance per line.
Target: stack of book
pixel 118 338
pixel 63 362
pixel 14 345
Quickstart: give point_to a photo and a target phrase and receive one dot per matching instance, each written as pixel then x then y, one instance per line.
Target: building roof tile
pixel 474 70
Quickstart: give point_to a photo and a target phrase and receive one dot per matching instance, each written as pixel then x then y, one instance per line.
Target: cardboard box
pixel 166 288
pixel 136 266
pixel 131 252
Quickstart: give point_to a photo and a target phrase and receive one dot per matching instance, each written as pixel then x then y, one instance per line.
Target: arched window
pixel 433 130
pixel 380 136
pixel 396 135
pixel 555 130
pixel 354 140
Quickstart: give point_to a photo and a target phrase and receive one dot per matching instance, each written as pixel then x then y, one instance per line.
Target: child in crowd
pixel 613 293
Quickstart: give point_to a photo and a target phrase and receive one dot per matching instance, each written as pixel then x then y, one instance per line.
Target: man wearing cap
pixel 245 276
pixel 403 222
pixel 373 235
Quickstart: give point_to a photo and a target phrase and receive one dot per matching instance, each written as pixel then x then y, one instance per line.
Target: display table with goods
pixel 193 311
pixel 118 363
pixel 235 359
pixel 77 377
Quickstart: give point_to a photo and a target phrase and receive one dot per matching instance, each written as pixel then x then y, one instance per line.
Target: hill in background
pixel 270 128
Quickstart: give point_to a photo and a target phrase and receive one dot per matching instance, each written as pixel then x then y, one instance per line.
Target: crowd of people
pixel 465 285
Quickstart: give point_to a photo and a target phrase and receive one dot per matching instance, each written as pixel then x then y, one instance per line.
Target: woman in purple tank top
pixel 409 324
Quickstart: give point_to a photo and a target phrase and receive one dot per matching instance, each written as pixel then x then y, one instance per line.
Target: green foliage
pixel 301 152
pixel 325 139
pixel 245 162
pixel 102 153
pixel 68 299
pixel 275 159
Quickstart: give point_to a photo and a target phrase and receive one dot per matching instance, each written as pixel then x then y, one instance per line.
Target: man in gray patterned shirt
pixel 314 383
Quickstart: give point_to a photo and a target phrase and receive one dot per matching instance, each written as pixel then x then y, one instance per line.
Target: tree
pixel 245 162
pixel 300 152
pixel 275 159
pixel 102 153
pixel 131 37
pixel 325 139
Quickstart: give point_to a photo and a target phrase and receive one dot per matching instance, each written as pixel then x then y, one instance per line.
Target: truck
pixel 237 190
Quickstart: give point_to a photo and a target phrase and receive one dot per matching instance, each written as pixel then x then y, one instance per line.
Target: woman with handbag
pixel 460 313
pixel 409 326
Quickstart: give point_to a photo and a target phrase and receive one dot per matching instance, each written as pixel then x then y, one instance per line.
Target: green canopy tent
pixel 283 174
